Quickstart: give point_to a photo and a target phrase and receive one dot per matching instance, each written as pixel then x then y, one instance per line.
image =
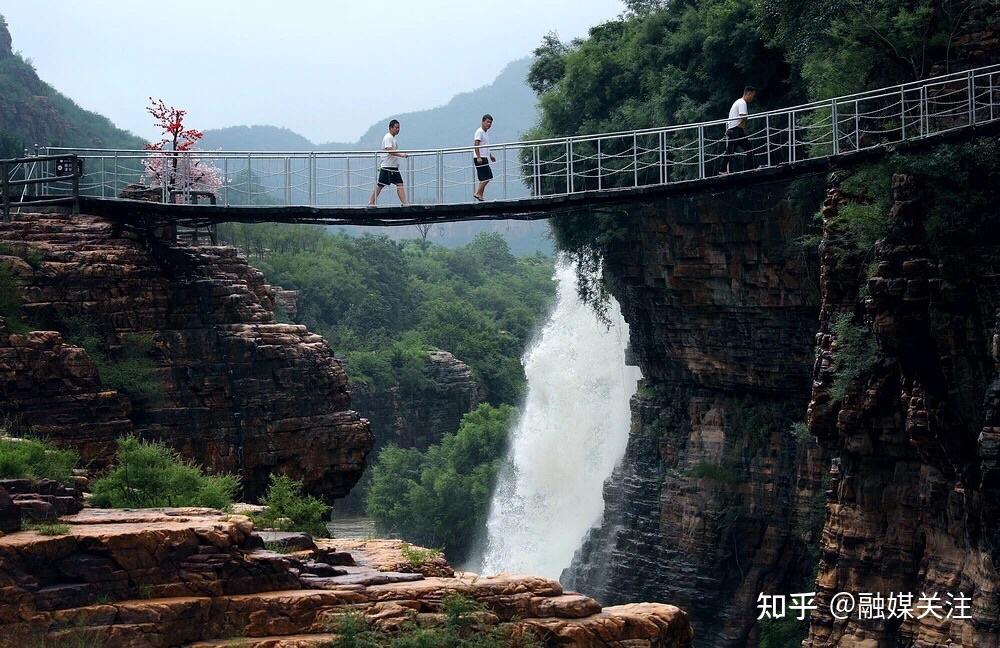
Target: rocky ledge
pixel 198 577
pixel 230 386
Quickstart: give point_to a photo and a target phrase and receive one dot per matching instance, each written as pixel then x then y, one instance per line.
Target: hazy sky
pixel 324 69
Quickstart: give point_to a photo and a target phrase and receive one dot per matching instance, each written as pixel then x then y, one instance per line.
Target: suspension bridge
pixel 532 179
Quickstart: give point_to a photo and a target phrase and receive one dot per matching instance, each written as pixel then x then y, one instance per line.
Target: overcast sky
pixel 327 70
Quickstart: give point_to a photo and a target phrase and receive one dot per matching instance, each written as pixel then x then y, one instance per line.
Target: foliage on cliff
pixel 32 112
pixel 440 497
pixel 675 61
pixel 383 303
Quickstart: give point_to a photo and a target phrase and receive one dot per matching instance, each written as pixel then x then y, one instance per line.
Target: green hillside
pixel 32 112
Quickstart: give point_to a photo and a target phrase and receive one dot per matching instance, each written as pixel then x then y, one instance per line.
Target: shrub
pixel 32 459
pixel 857 354
pixel 48 529
pixel 148 474
pixel 417 556
pixel 716 472
pixel 285 500
pixel 10 300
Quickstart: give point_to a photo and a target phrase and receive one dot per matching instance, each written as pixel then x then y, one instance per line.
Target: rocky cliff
pixel 220 380
pixel 416 418
pixel 906 394
pixel 706 510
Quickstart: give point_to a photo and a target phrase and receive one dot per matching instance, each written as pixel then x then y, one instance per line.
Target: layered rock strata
pixel 705 510
pixel 177 577
pixel 417 418
pixel 916 431
pixel 233 389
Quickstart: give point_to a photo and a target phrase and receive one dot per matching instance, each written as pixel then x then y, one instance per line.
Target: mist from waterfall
pixel 571 435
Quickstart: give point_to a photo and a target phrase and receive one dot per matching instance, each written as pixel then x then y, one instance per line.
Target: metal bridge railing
pixel 18 175
pixel 554 167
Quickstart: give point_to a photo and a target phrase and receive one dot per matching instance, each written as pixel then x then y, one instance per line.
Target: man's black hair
pixel 394 122
pixel 749 88
pixel 487 116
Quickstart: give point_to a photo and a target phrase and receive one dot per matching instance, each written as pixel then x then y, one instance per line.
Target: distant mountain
pixel 509 99
pixel 254 138
pixel 32 112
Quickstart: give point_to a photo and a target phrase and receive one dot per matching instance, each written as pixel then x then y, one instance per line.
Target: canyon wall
pixel 916 429
pixel 706 510
pixel 230 387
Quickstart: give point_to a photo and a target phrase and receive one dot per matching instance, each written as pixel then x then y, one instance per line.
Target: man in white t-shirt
pixel 388 168
pixel 736 129
pixel 481 156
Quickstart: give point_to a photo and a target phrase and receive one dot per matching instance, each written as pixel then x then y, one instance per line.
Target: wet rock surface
pixel 176 577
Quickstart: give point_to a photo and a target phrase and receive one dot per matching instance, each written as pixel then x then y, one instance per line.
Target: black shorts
pixel 483 170
pixel 388 176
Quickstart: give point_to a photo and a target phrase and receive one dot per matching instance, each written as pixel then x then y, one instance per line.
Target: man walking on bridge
pixel 481 142
pixel 388 172
pixel 736 130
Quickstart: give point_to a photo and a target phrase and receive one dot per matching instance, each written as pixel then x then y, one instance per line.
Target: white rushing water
pixel 572 433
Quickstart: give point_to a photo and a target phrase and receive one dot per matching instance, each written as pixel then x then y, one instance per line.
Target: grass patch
pixel 277 547
pixel 800 431
pixel 857 354
pixel 417 556
pixel 32 256
pixel 716 472
pixel 461 629
pixel 33 459
pixel 10 300
pixel 288 508
pixel 48 528
pixel 148 475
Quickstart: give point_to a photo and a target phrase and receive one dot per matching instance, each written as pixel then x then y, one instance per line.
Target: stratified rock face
pixel 704 511
pixel 240 392
pixel 915 498
pixel 173 577
pixel 419 418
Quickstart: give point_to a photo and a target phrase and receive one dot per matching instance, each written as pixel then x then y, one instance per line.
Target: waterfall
pixel 571 434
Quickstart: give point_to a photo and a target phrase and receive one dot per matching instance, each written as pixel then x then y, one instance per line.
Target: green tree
pixel 440 497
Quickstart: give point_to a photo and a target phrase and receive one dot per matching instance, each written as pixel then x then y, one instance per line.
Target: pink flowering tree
pixel 172 161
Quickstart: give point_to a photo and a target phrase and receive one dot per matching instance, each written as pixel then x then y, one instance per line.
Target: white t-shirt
pixel 736 113
pixel 484 143
pixel 390 161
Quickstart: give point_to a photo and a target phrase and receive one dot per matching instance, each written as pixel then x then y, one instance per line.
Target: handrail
pixel 563 165
pixel 6 182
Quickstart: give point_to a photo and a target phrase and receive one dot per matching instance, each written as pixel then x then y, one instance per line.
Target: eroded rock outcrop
pixel 706 510
pixel 914 500
pixel 238 392
pixel 418 417
pixel 175 577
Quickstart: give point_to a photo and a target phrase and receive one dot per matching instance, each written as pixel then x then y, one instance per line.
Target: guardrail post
pixel 835 120
pixel 115 181
pixel 504 151
pixel 348 180
pixel 4 195
pixel 249 183
pixel 288 181
pixel 599 178
pixel 77 171
pixel 972 98
pixel 635 161
pixel 989 84
pixel 440 177
pixel 662 148
pixel 902 112
pixel 767 137
pixel 537 171
pixel 701 151
pixel 791 136
pixel 569 183
pixel 857 127
pixel 225 180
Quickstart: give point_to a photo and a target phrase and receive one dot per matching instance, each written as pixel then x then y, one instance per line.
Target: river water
pixel 571 434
